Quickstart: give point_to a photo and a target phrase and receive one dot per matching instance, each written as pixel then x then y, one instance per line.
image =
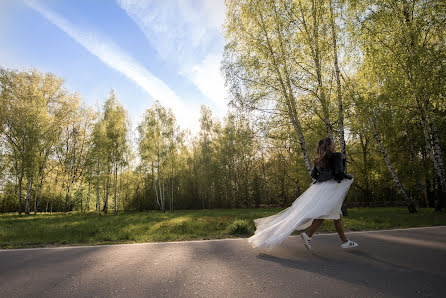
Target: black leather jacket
pixel 335 169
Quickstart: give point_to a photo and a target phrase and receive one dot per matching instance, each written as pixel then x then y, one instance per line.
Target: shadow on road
pixel 397 268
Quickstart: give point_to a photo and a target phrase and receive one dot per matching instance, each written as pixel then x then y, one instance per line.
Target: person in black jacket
pixel 333 167
pixel 328 165
pixel 321 201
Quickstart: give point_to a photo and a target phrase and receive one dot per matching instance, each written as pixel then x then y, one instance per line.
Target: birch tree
pixel 116 130
pixel 155 132
pixel 410 202
pixel 256 63
pixel 404 40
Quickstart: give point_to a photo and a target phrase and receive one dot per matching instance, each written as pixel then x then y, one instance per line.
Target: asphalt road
pixel 400 263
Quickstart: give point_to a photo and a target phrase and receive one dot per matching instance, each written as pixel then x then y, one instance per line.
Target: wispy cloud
pixel 186 33
pixel 206 76
pixel 113 56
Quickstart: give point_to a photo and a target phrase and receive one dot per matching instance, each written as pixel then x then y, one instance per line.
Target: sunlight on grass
pixel 76 228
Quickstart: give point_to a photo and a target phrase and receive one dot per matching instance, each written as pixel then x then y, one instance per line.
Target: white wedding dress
pixel 320 200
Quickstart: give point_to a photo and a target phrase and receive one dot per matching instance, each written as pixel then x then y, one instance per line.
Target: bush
pixel 239 227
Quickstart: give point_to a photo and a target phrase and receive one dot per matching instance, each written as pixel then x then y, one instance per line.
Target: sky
pixel 145 50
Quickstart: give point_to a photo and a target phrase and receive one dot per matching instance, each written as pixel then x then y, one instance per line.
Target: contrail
pixel 110 54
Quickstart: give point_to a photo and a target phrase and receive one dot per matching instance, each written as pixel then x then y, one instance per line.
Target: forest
pixel 371 75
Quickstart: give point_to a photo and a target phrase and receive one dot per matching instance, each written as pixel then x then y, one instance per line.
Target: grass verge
pixel 151 226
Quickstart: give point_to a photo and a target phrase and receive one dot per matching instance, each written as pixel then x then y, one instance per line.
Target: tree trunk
pixel 98 200
pixel 171 198
pixel 156 193
pixel 364 144
pixel 437 157
pixel 67 195
pixel 154 186
pixel 116 182
pixel 410 202
pixel 424 107
pixel 82 202
pixel 120 186
pixel 288 95
pixel 36 205
pixel 338 84
pixel 163 198
pixel 160 192
pixel 87 203
pixel 106 192
pixel 228 204
pixel 29 186
pixel 20 189
pixel 248 201
pixel 313 43
pixel 318 67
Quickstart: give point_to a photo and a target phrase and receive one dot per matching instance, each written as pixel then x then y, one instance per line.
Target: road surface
pixel 399 263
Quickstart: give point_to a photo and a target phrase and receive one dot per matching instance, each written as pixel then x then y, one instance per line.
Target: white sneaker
pixel 349 244
pixel 307 240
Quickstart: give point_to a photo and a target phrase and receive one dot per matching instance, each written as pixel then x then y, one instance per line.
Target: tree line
pixel 369 74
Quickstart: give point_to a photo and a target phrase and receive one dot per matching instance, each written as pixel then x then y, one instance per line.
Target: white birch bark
pixel 160 192
pixel 120 186
pixel 29 186
pixel 410 202
pixel 433 148
pixel 163 198
pixel 156 194
pixel 154 186
pixel 106 192
pixel 338 84
pixel 36 203
pixel 313 43
pixel 289 98
pixel 116 182
pixel 20 183
pixel 87 203
pixel 437 154
pixel 98 201
pixel 171 198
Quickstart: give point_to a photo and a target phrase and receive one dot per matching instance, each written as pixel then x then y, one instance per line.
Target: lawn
pixel 130 227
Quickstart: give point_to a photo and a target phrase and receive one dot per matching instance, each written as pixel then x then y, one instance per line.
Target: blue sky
pixel 169 50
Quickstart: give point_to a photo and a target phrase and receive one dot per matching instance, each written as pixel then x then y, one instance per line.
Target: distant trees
pixel 49 137
pixel 157 146
pixel 35 113
pixel 369 74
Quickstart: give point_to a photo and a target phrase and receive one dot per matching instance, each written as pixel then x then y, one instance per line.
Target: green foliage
pixel 279 66
pixel 240 227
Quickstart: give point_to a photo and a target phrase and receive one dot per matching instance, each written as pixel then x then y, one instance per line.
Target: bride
pixel 322 200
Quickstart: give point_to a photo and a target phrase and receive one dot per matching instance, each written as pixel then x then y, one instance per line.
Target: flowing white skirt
pixel 320 200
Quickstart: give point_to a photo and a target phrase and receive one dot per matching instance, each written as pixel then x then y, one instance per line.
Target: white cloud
pixel 186 33
pixel 110 54
pixel 206 76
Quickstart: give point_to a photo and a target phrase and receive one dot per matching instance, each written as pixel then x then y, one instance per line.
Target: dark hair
pixel 323 153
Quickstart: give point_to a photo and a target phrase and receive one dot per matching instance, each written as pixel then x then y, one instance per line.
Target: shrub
pixel 239 227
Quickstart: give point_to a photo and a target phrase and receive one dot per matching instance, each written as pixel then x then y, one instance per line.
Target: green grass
pixel 130 227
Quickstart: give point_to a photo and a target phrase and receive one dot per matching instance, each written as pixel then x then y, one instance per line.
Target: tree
pixel 404 41
pixel 155 133
pixel 206 153
pixel 35 105
pixel 116 130
pixel 257 58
